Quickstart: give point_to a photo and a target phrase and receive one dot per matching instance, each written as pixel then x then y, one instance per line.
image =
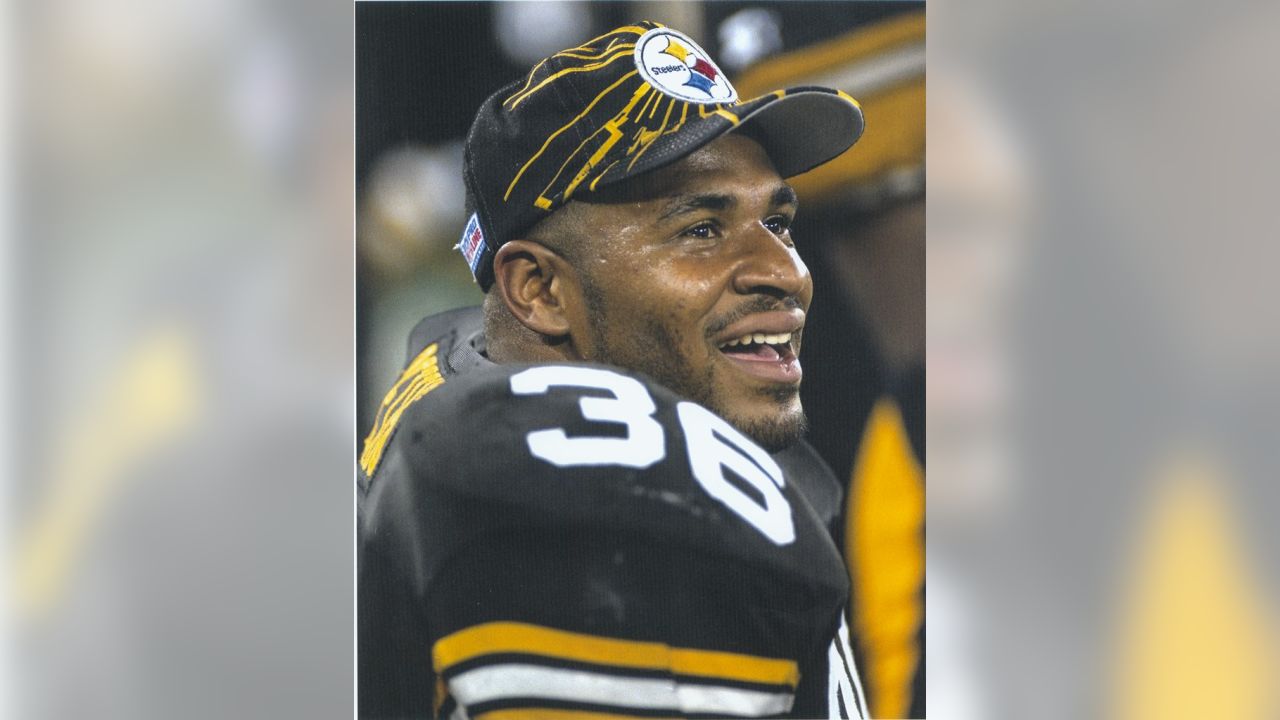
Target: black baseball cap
pixel 632 100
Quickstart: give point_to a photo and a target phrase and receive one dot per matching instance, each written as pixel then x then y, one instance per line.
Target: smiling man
pixel 568 500
pixel 698 286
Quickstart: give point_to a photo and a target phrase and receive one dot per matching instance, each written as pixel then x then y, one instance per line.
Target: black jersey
pixel 572 537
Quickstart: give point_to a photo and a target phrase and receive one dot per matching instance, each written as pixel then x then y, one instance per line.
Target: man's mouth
pixel 769 356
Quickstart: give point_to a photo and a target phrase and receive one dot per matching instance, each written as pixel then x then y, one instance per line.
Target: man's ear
pixel 530 279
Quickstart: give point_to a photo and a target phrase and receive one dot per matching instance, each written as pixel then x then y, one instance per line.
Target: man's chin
pixel 772 416
pixel 773 432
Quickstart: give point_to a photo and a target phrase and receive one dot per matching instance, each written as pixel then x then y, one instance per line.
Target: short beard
pixel 771 435
pixel 778 434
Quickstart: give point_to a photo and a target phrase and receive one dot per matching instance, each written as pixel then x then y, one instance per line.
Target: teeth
pixel 759 339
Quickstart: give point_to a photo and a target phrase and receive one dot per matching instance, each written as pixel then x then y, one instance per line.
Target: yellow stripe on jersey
pixel 512 637
pixel 885 551
pixel 419 378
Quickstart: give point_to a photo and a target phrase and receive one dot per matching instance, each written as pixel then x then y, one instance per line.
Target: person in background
pixel 863 230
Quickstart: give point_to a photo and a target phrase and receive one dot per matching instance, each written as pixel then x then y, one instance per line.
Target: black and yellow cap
pixel 632 100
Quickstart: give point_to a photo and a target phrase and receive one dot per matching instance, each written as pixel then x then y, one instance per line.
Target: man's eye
pixel 778 224
pixel 702 231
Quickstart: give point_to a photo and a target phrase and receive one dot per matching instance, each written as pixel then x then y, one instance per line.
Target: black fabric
pixel 811 476
pixel 462 525
pixel 467 440
pixel 457 331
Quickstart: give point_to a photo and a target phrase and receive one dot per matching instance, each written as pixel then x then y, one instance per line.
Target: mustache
pixel 757 304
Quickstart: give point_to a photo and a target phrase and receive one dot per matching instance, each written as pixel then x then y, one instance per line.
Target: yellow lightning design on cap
pixel 639 123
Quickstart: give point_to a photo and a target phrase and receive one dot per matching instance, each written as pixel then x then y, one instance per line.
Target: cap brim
pixel 800 128
pixel 805 127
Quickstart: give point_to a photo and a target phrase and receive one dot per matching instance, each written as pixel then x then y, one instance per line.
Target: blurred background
pixel 178 382
pixel 180 373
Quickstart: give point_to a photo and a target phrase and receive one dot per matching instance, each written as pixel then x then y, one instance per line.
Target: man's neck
pixel 528 347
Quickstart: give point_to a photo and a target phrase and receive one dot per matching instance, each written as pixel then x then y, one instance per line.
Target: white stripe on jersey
pixel 843 685
pixel 517 680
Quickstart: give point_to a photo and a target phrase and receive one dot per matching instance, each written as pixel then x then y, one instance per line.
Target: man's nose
pixel 770 266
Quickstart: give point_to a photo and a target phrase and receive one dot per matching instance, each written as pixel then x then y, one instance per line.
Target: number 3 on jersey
pixel 714 445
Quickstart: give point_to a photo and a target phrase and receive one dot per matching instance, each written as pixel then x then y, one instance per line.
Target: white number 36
pixel 714 445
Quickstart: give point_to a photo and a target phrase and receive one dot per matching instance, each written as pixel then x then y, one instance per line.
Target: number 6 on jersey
pixel 714 445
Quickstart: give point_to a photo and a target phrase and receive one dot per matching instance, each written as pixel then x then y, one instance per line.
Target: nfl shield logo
pixel 472 244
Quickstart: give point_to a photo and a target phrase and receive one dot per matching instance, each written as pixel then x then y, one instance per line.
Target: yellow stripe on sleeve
pixel 419 378
pixel 512 637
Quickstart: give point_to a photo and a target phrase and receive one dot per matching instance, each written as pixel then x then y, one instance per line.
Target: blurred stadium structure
pixel 1103 394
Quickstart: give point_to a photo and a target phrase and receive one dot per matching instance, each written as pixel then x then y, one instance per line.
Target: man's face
pixel 690 276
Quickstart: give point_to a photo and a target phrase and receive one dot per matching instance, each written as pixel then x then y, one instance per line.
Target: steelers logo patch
pixel 676 66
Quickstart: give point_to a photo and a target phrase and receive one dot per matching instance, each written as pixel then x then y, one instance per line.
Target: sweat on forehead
pixel 729 174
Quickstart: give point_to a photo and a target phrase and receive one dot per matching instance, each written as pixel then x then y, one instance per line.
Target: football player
pixel 590 494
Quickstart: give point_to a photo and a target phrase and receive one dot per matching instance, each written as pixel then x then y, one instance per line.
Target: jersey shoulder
pixel 458 336
pixel 438 347
pixel 590 446
pixel 814 479
pixel 586 505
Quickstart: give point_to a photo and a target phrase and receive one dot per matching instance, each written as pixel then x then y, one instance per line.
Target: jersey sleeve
pixel 571 538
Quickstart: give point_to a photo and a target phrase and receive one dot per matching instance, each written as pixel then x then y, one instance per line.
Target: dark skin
pixel 665 275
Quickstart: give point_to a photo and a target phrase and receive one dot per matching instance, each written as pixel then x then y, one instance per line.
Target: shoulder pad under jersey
pixel 589 446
